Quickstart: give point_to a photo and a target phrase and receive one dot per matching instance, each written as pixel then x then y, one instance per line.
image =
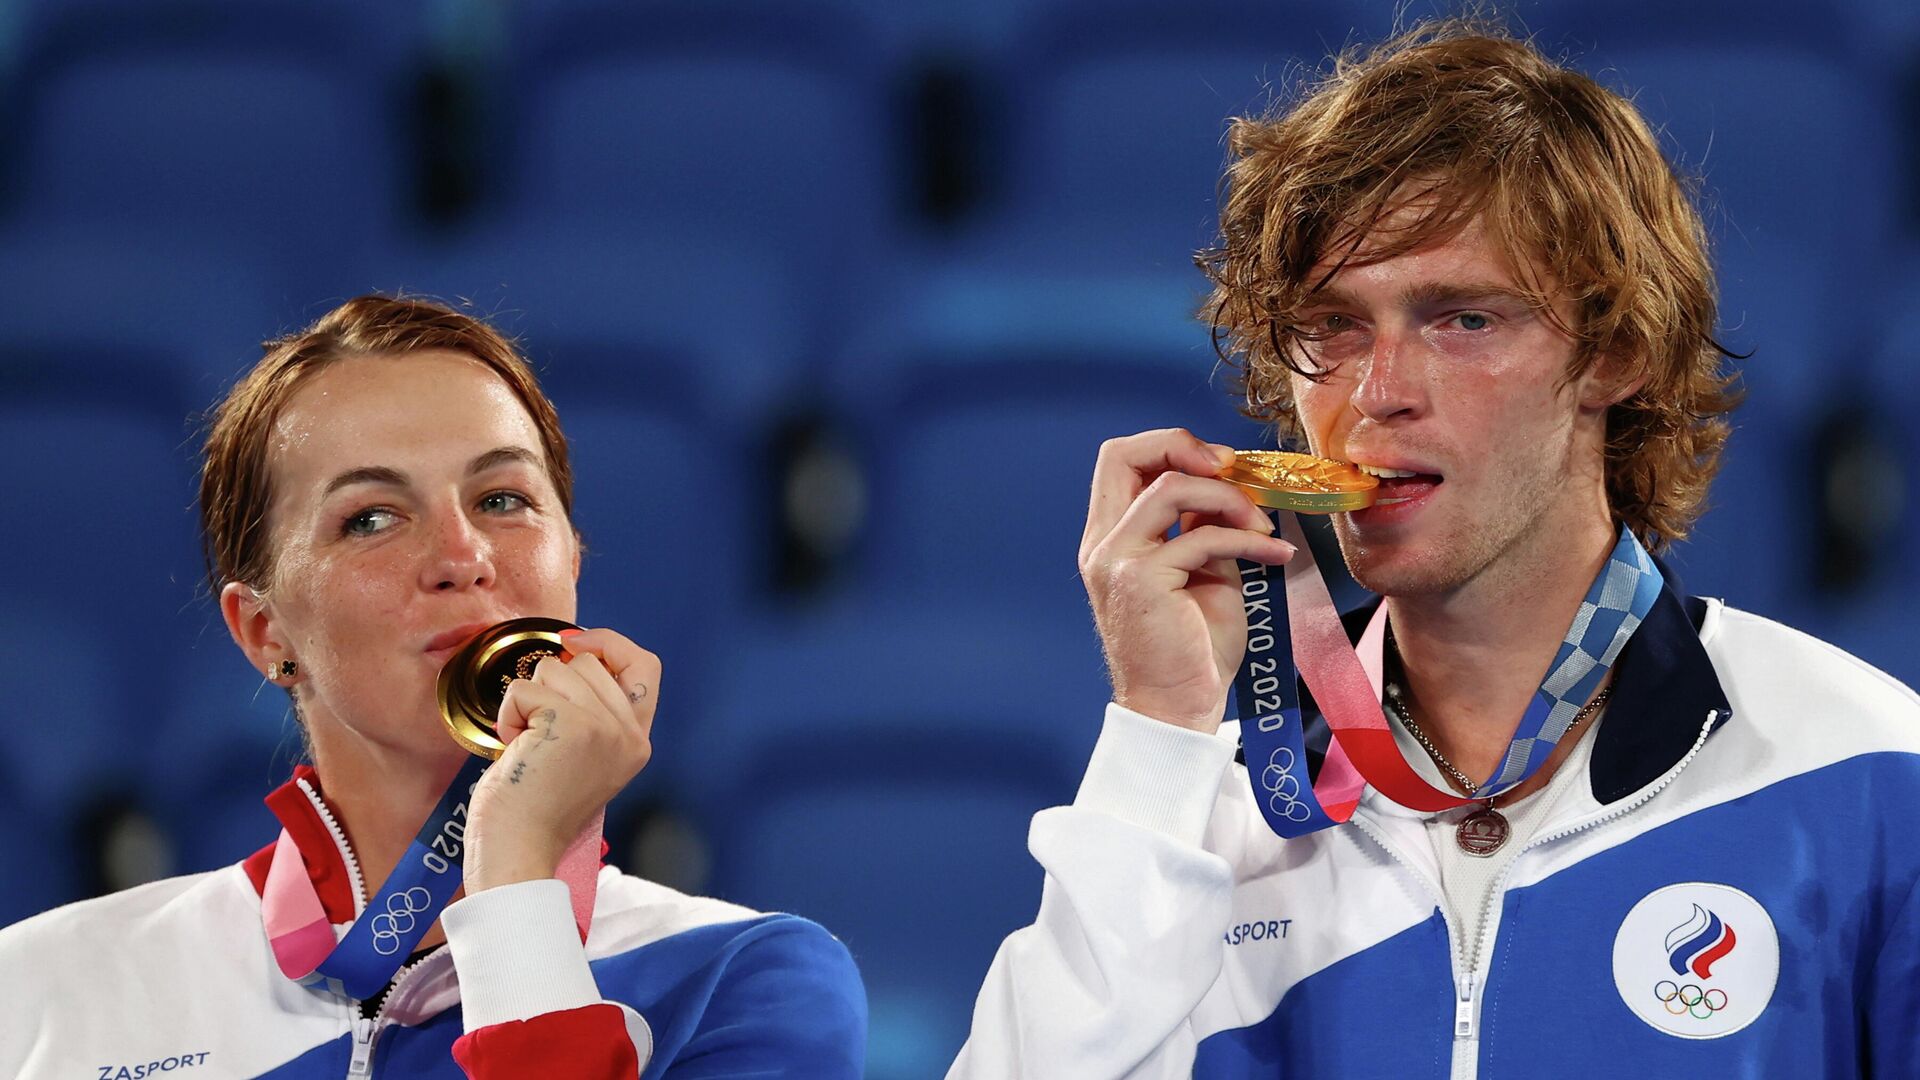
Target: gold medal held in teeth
pixel 1280 480
pixel 474 680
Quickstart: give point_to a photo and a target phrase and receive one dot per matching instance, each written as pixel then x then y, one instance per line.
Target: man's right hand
pixel 1169 611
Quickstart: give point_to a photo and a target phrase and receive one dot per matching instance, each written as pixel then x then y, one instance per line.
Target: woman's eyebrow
pixel 380 474
pixel 503 455
pixel 366 474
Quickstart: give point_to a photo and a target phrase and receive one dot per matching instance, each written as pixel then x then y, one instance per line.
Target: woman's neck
pixel 381 797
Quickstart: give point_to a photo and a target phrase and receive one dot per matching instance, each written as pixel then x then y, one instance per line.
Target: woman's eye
pixel 504 501
pixel 1473 320
pixel 365 523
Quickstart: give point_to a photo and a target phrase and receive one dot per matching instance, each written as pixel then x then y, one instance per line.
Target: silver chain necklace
pixel 1486 830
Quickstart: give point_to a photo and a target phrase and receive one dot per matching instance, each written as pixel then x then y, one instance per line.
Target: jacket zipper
pixel 366 1030
pixel 340 841
pixel 1468 985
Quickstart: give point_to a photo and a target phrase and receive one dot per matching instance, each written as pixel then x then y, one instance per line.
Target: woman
pixel 378 489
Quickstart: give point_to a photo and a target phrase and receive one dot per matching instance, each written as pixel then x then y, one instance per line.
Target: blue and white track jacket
pixel 1732 895
pixel 176 981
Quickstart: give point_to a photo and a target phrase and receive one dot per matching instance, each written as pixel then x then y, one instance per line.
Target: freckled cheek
pixel 540 565
pixel 355 605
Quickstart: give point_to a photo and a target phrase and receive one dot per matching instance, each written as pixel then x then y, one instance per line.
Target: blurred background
pixel 837 300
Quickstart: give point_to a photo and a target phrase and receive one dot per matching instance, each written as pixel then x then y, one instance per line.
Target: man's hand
pixel 1169 611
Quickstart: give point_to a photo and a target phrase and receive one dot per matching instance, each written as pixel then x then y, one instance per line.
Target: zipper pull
pixel 362 1048
pixel 1463 1025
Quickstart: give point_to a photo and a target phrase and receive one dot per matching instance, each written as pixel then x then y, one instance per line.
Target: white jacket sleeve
pixel 1128 938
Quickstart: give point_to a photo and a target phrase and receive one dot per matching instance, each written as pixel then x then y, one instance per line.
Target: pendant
pixel 1482 832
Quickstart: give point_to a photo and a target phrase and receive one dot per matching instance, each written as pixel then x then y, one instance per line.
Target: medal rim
pixel 1460 834
pixel 465 721
pixel 1312 502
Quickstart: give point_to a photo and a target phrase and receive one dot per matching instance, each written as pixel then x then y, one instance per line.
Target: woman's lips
pixel 443 645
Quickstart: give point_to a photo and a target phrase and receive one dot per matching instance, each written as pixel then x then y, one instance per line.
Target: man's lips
pixel 1397 489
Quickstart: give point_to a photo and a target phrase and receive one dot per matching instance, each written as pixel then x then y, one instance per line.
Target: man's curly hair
pixel 1462 120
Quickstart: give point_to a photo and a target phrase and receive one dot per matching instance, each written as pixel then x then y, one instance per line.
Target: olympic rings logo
pixel 1689 1000
pixel 398 920
pixel 1284 787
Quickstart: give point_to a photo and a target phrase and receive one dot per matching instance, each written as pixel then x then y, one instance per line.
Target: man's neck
pixel 1472 658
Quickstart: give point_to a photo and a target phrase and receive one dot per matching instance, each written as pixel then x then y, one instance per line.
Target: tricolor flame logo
pixel 1699 943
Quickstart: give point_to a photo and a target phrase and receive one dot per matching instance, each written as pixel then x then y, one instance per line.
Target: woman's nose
pixel 462 558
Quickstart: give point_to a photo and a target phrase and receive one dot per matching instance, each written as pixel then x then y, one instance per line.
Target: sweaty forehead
pixel 422 413
pixel 1470 261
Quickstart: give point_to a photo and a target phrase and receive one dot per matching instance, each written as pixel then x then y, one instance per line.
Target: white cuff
pixel 517 952
pixel 1154 774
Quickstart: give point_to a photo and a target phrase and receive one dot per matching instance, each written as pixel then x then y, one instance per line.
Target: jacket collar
pixel 325 858
pixel 1663 691
pixel 1664 686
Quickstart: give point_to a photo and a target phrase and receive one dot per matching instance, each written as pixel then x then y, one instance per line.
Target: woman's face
pixel 411 508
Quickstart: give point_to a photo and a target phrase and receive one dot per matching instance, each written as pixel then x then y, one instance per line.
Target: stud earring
pixel 283 670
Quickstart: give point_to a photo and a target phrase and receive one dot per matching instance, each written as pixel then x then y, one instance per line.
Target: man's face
pixel 1440 368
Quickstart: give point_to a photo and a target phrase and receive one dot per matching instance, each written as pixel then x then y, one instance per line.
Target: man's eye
pixel 1473 320
pixel 365 523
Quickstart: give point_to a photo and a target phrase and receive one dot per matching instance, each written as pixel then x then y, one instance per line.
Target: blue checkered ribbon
pixel 1617 603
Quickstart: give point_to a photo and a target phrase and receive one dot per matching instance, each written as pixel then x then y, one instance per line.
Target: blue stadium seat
pixel 730 328
pixel 659 500
pixel 192 306
pixel 836 828
pixel 753 127
pixel 100 571
pixel 876 665
pixel 1118 112
pixel 981 457
pixel 262 124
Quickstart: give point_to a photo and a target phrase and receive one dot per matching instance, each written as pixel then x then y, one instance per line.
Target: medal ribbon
pixel 1301 625
pixel 407 905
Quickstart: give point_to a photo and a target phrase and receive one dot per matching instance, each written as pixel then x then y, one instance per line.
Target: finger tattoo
pixel 519 768
pixel 638 694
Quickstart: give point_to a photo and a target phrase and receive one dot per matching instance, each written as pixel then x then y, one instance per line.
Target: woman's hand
pixel 576 733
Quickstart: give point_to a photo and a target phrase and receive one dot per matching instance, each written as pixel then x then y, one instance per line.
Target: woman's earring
pixel 283 670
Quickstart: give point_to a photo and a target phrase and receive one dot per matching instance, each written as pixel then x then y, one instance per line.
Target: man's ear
pixel 1611 381
pixel 251 626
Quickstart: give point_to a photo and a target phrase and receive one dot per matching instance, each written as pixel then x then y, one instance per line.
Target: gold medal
pixel 1280 480
pixel 475 679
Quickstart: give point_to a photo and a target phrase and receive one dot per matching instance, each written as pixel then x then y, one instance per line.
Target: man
pixel 1470 272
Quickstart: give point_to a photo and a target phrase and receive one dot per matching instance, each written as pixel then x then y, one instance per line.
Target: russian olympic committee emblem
pixel 1697 960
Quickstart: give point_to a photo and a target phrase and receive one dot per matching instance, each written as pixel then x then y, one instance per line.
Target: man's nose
pixel 1389 383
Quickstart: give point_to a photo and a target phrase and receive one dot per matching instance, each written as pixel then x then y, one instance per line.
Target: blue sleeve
pixel 788 1002
pixel 1891 1009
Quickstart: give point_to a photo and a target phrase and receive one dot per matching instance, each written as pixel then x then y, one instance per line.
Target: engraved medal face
pixel 475 679
pixel 1482 832
pixel 1280 480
